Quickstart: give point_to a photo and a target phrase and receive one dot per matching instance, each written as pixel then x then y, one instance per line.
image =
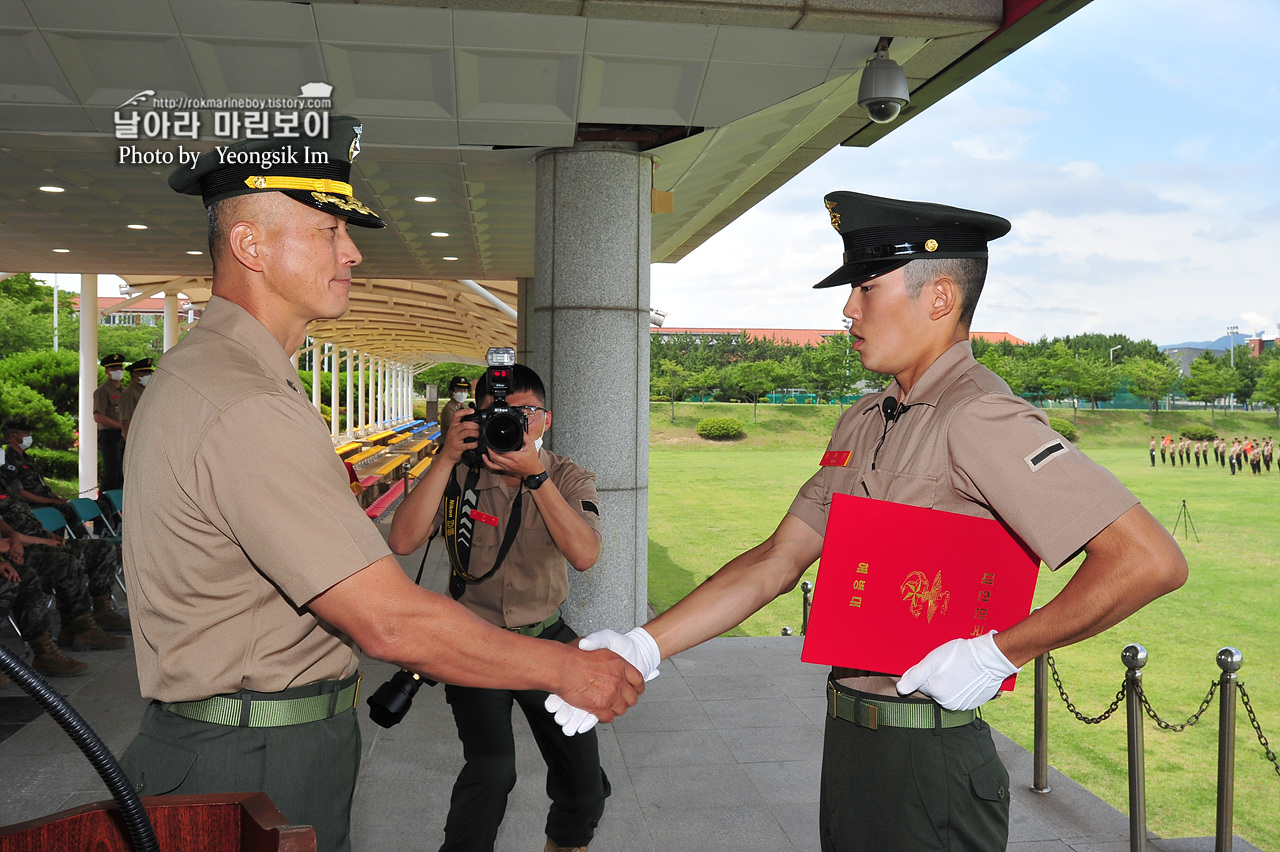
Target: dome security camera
pixel 883 90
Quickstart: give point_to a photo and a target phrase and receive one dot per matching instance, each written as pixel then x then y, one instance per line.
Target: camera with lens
pixel 391 701
pixel 502 428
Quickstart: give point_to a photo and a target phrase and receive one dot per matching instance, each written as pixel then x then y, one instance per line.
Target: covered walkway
pixel 722 754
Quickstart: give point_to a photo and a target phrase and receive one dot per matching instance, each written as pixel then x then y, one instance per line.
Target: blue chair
pixel 88 510
pixel 52 521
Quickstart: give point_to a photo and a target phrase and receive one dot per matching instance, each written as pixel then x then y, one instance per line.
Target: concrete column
pixel 333 389
pixel 585 322
pixel 170 320
pixel 315 374
pixel 88 381
pixel 363 420
pixel 350 411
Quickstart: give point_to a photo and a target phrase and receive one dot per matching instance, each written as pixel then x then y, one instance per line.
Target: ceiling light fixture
pixel 448 258
pixel 62 251
pixel 883 91
pixel 195 252
pixel 52 189
pixel 137 227
pixel 425 199
pixel 439 234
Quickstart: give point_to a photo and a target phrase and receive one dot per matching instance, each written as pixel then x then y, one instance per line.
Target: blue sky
pixel 1135 147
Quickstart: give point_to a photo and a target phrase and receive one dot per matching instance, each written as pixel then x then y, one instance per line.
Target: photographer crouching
pixel 512 513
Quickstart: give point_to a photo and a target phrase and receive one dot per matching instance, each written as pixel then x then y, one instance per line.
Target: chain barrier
pixel 1257 728
pixel 1169 726
pixel 1173 727
pixel 1088 720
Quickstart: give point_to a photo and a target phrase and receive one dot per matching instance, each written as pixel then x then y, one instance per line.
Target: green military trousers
pixel 308 770
pixel 910 790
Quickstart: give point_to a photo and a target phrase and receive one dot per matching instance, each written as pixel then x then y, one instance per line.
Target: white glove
pixel 636 647
pixel 570 719
pixel 962 674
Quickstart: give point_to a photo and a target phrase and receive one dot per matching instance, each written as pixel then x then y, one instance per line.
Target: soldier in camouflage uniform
pixel 24 471
pixel 22 596
pixel 62 569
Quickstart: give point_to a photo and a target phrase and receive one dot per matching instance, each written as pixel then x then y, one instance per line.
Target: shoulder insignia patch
pixel 1045 454
pixel 588 506
pixel 836 458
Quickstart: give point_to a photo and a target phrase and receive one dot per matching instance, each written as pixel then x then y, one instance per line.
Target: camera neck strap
pixel 459 503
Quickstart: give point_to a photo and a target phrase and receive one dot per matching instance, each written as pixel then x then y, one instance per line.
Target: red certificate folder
pixel 897 581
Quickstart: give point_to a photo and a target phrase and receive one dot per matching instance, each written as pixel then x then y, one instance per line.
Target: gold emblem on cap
pixel 298 183
pixel 835 217
pixel 930 245
pixel 259 182
pixel 343 203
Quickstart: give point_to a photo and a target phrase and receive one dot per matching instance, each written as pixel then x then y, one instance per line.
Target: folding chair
pixel 88 510
pixel 51 519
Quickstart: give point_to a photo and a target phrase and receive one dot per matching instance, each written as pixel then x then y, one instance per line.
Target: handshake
pixel 636 647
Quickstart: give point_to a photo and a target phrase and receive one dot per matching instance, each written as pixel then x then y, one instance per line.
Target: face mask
pixel 537 444
pixel 460 396
pixel 142 380
pixel 25 443
pixel 115 375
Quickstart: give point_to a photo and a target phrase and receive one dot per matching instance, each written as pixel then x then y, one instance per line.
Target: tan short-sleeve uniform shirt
pixel 966 444
pixel 238 513
pixel 106 400
pixel 534 578
pixel 129 401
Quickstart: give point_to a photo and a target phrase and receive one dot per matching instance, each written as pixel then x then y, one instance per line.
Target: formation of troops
pixel 1255 453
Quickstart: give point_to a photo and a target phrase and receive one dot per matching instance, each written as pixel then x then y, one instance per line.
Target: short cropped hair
pixel 969 273
pixel 523 379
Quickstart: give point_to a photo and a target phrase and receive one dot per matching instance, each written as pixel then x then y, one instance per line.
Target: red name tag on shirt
pixel 483 518
pixel 836 458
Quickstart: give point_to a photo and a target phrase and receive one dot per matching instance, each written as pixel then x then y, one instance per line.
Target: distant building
pixel 1257 344
pixel 1184 355
pixel 804 336
pixel 790 336
pixel 996 337
pixel 148 311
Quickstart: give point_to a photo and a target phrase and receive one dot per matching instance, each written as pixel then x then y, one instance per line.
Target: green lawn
pixel 710 502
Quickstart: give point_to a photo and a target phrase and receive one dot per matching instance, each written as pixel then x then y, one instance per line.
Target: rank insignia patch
pixel 836 458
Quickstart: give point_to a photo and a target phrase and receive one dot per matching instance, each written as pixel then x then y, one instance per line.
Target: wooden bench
pixel 421 467
pixel 389 466
pixel 418 449
pixel 345 450
pixel 382 437
pixel 379 507
pixel 365 455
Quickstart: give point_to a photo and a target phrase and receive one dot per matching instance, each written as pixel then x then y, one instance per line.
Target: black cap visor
pixel 859 271
pixel 347 206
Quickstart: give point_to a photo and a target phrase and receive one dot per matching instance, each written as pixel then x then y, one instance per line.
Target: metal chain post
pixel 1040 755
pixel 1134 658
pixel 1229 660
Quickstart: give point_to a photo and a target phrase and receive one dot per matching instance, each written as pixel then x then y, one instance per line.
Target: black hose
pixel 142 836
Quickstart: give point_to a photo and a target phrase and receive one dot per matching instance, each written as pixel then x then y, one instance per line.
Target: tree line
pixel 1093 368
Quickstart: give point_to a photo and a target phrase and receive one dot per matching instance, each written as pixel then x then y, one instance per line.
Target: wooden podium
pixel 217 822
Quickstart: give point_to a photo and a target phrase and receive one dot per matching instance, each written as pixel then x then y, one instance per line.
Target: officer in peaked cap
pixel 286 165
pixel 884 234
pixel 106 414
pixel 256 687
pixel 139 375
pixel 945 434
pixel 459 390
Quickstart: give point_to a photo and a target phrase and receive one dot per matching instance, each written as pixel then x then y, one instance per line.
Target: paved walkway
pixel 722 753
